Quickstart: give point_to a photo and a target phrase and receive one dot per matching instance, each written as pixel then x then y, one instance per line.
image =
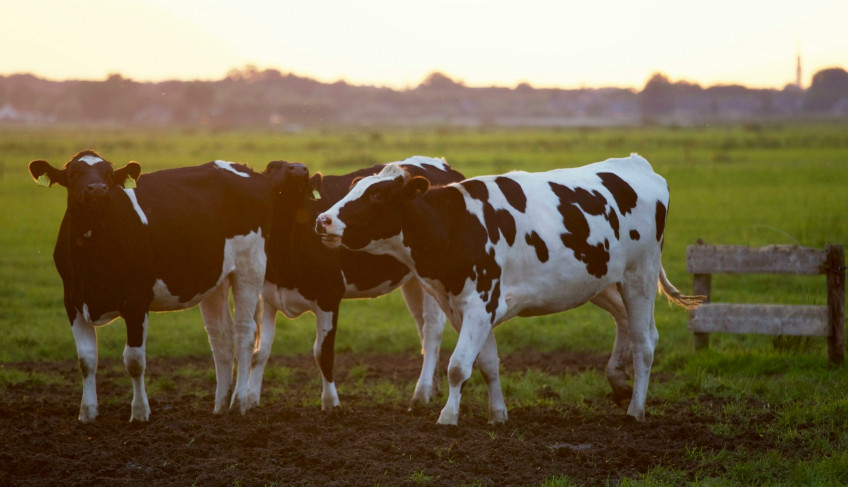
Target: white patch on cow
pixel 96 320
pixel 90 160
pixel 385 287
pixel 421 161
pixel 289 301
pixel 164 300
pixel 228 166
pixel 87 234
pixel 141 216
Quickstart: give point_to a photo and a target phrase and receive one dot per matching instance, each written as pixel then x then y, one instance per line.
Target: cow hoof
pixel 87 414
pixel 238 405
pixel 140 414
pixel 252 400
pixel 448 418
pixel 497 416
pixel 621 397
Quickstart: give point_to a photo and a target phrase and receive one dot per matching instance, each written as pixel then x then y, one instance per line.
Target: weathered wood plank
pixel 773 259
pixel 836 302
pixel 762 319
pixel 702 286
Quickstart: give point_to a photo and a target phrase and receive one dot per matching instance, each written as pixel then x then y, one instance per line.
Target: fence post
pixel 701 286
pixel 836 303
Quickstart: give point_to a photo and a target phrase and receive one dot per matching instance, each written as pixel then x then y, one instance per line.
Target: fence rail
pixel 768 319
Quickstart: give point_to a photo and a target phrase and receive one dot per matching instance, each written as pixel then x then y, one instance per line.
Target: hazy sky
pixel 396 43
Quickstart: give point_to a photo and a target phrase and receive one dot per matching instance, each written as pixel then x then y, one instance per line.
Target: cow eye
pixel 378 197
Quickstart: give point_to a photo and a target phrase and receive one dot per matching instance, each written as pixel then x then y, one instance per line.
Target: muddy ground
pixel 371 442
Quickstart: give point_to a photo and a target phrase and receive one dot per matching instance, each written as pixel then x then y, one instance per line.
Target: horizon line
pixel 407 86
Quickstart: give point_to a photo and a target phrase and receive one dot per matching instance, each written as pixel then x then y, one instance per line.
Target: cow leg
pixel 247 285
pixel 610 300
pixel 262 351
pixel 430 320
pixel 135 362
pixel 474 331
pixel 638 294
pixel 215 310
pixel 489 365
pixel 85 337
pixel 324 352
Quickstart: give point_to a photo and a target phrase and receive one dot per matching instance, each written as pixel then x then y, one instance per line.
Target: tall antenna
pixel 798 65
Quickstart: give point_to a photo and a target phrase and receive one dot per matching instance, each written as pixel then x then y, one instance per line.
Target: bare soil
pixel 372 441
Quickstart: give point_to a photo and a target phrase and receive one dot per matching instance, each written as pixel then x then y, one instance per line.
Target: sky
pixel 397 43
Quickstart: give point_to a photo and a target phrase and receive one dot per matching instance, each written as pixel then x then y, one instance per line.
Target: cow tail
pixel 675 296
pixel 257 317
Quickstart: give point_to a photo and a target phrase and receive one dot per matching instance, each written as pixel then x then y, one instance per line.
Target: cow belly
pixel 547 296
pixel 352 291
pixel 164 300
pixel 239 251
pixel 289 301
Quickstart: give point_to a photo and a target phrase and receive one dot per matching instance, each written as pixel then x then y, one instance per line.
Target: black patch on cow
pixel 573 204
pixel 625 196
pixel 513 192
pixel 612 216
pixel 660 216
pixel 533 239
pixel 634 235
pixel 476 189
pixel 498 222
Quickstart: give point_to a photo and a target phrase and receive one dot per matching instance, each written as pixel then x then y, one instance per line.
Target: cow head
pixel 88 178
pixel 288 178
pixel 371 211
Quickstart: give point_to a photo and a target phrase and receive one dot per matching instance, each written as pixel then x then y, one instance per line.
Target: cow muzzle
pixel 325 228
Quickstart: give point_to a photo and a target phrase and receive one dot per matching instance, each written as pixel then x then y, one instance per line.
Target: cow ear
pixel 127 175
pixel 353 183
pixel 46 175
pixel 316 183
pixel 414 187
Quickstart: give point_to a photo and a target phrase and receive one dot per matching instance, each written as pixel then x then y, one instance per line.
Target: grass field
pixel 729 185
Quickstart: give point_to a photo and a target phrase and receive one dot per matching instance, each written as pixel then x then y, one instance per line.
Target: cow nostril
pixel 324 221
pixel 94 188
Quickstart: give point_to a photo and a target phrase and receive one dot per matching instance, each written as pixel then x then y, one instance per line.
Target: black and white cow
pixel 304 275
pixel 169 241
pixel 522 244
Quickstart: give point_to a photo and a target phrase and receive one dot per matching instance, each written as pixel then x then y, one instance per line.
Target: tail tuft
pixel 675 296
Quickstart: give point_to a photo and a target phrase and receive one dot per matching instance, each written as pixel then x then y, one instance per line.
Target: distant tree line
pixel 252 97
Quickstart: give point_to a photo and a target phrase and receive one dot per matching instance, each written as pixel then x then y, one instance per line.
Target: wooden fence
pixel 769 319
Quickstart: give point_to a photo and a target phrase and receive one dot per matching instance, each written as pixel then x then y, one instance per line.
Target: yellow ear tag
pixel 129 183
pixel 316 195
pixel 43 180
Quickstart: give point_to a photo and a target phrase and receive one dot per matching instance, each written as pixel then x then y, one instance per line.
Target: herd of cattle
pixel 475 251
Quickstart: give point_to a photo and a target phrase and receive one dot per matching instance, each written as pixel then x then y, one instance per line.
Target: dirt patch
pixel 372 441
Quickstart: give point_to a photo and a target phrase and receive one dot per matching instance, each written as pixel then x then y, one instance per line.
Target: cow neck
pixel 428 230
pixel 293 221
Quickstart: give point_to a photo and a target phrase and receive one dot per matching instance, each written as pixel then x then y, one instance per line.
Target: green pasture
pixel 752 185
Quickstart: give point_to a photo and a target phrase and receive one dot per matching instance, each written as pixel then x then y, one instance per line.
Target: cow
pixel 164 241
pixel 304 275
pixel 522 244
